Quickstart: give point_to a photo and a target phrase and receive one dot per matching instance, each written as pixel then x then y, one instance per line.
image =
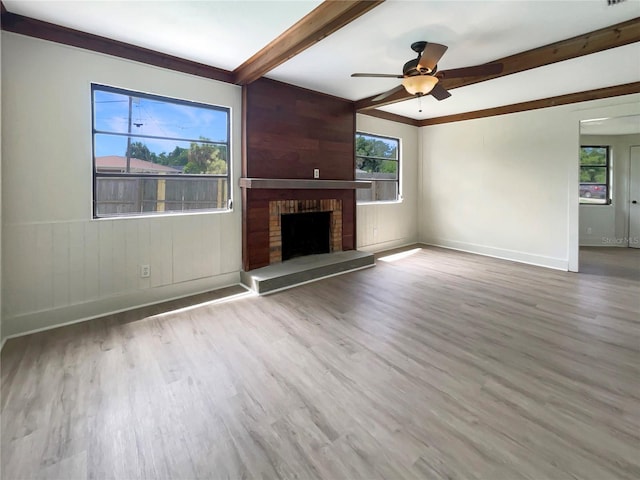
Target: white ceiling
pixel 224 34
pixel 611 126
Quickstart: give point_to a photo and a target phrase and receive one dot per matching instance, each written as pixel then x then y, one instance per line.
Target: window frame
pixel 153 176
pixel 397 180
pixel 608 200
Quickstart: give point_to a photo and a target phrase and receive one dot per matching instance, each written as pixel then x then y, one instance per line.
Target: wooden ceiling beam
pixel 391 116
pixel 588 95
pixel 607 92
pixel 12 22
pixel 610 37
pixel 321 22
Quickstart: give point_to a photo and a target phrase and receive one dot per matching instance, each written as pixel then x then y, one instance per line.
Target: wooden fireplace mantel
pixel 314 184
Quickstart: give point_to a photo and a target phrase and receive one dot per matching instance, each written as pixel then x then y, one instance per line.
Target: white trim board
pixel 502 254
pixel 35 322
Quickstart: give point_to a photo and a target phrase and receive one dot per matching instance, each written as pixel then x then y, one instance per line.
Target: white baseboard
pixel 33 322
pixel 382 246
pixel 604 245
pixel 504 254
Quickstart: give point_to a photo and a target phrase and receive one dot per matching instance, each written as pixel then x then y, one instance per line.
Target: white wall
pixel 608 225
pixel 60 265
pixel 507 186
pixel 382 226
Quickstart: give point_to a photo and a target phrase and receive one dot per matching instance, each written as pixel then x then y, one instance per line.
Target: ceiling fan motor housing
pixel 411 68
pixel 418 47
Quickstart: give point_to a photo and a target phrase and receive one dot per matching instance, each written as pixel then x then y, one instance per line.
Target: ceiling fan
pixel 420 76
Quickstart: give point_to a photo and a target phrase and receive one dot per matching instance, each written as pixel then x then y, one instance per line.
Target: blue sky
pixel 152 117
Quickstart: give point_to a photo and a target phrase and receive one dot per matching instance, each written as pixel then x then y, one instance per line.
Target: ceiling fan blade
pixel 376 75
pixel 432 54
pixel 439 92
pixel 388 93
pixel 476 71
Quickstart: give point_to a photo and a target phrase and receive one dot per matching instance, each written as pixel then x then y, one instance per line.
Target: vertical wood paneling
pixel 144 251
pixel 212 248
pixel 61 266
pixel 77 281
pixel 229 234
pixel 105 258
pixel 42 274
pixel 365 225
pixel 349 219
pixel 289 132
pixel 185 260
pixel 10 299
pixel 198 257
pixel 207 257
pixel 205 264
pixel 131 256
pixel 91 261
pixel 118 255
pixel 161 252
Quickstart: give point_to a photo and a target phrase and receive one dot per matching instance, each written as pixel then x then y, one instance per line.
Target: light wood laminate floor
pixel 439 365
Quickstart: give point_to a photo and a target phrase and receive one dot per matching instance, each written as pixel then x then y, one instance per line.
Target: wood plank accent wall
pixel 289 131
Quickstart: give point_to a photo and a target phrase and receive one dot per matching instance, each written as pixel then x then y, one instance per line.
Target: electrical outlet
pixel 589 230
pixel 145 271
pixel 316 173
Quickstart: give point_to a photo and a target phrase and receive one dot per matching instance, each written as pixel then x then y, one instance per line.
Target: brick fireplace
pixel 277 208
pixel 298 156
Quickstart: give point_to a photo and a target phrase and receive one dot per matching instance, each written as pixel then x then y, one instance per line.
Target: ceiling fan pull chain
pixel 420 104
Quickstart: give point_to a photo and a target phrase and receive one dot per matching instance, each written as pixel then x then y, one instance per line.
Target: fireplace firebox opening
pixel 307 233
pixel 279 208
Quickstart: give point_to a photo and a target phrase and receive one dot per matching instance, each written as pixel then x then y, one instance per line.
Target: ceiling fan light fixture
pixel 419 84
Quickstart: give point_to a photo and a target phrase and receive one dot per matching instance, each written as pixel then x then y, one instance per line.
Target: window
pixel 594 175
pixel 156 155
pixel 377 160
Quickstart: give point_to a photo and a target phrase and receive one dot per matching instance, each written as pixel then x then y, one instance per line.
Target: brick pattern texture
pixel 280 207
